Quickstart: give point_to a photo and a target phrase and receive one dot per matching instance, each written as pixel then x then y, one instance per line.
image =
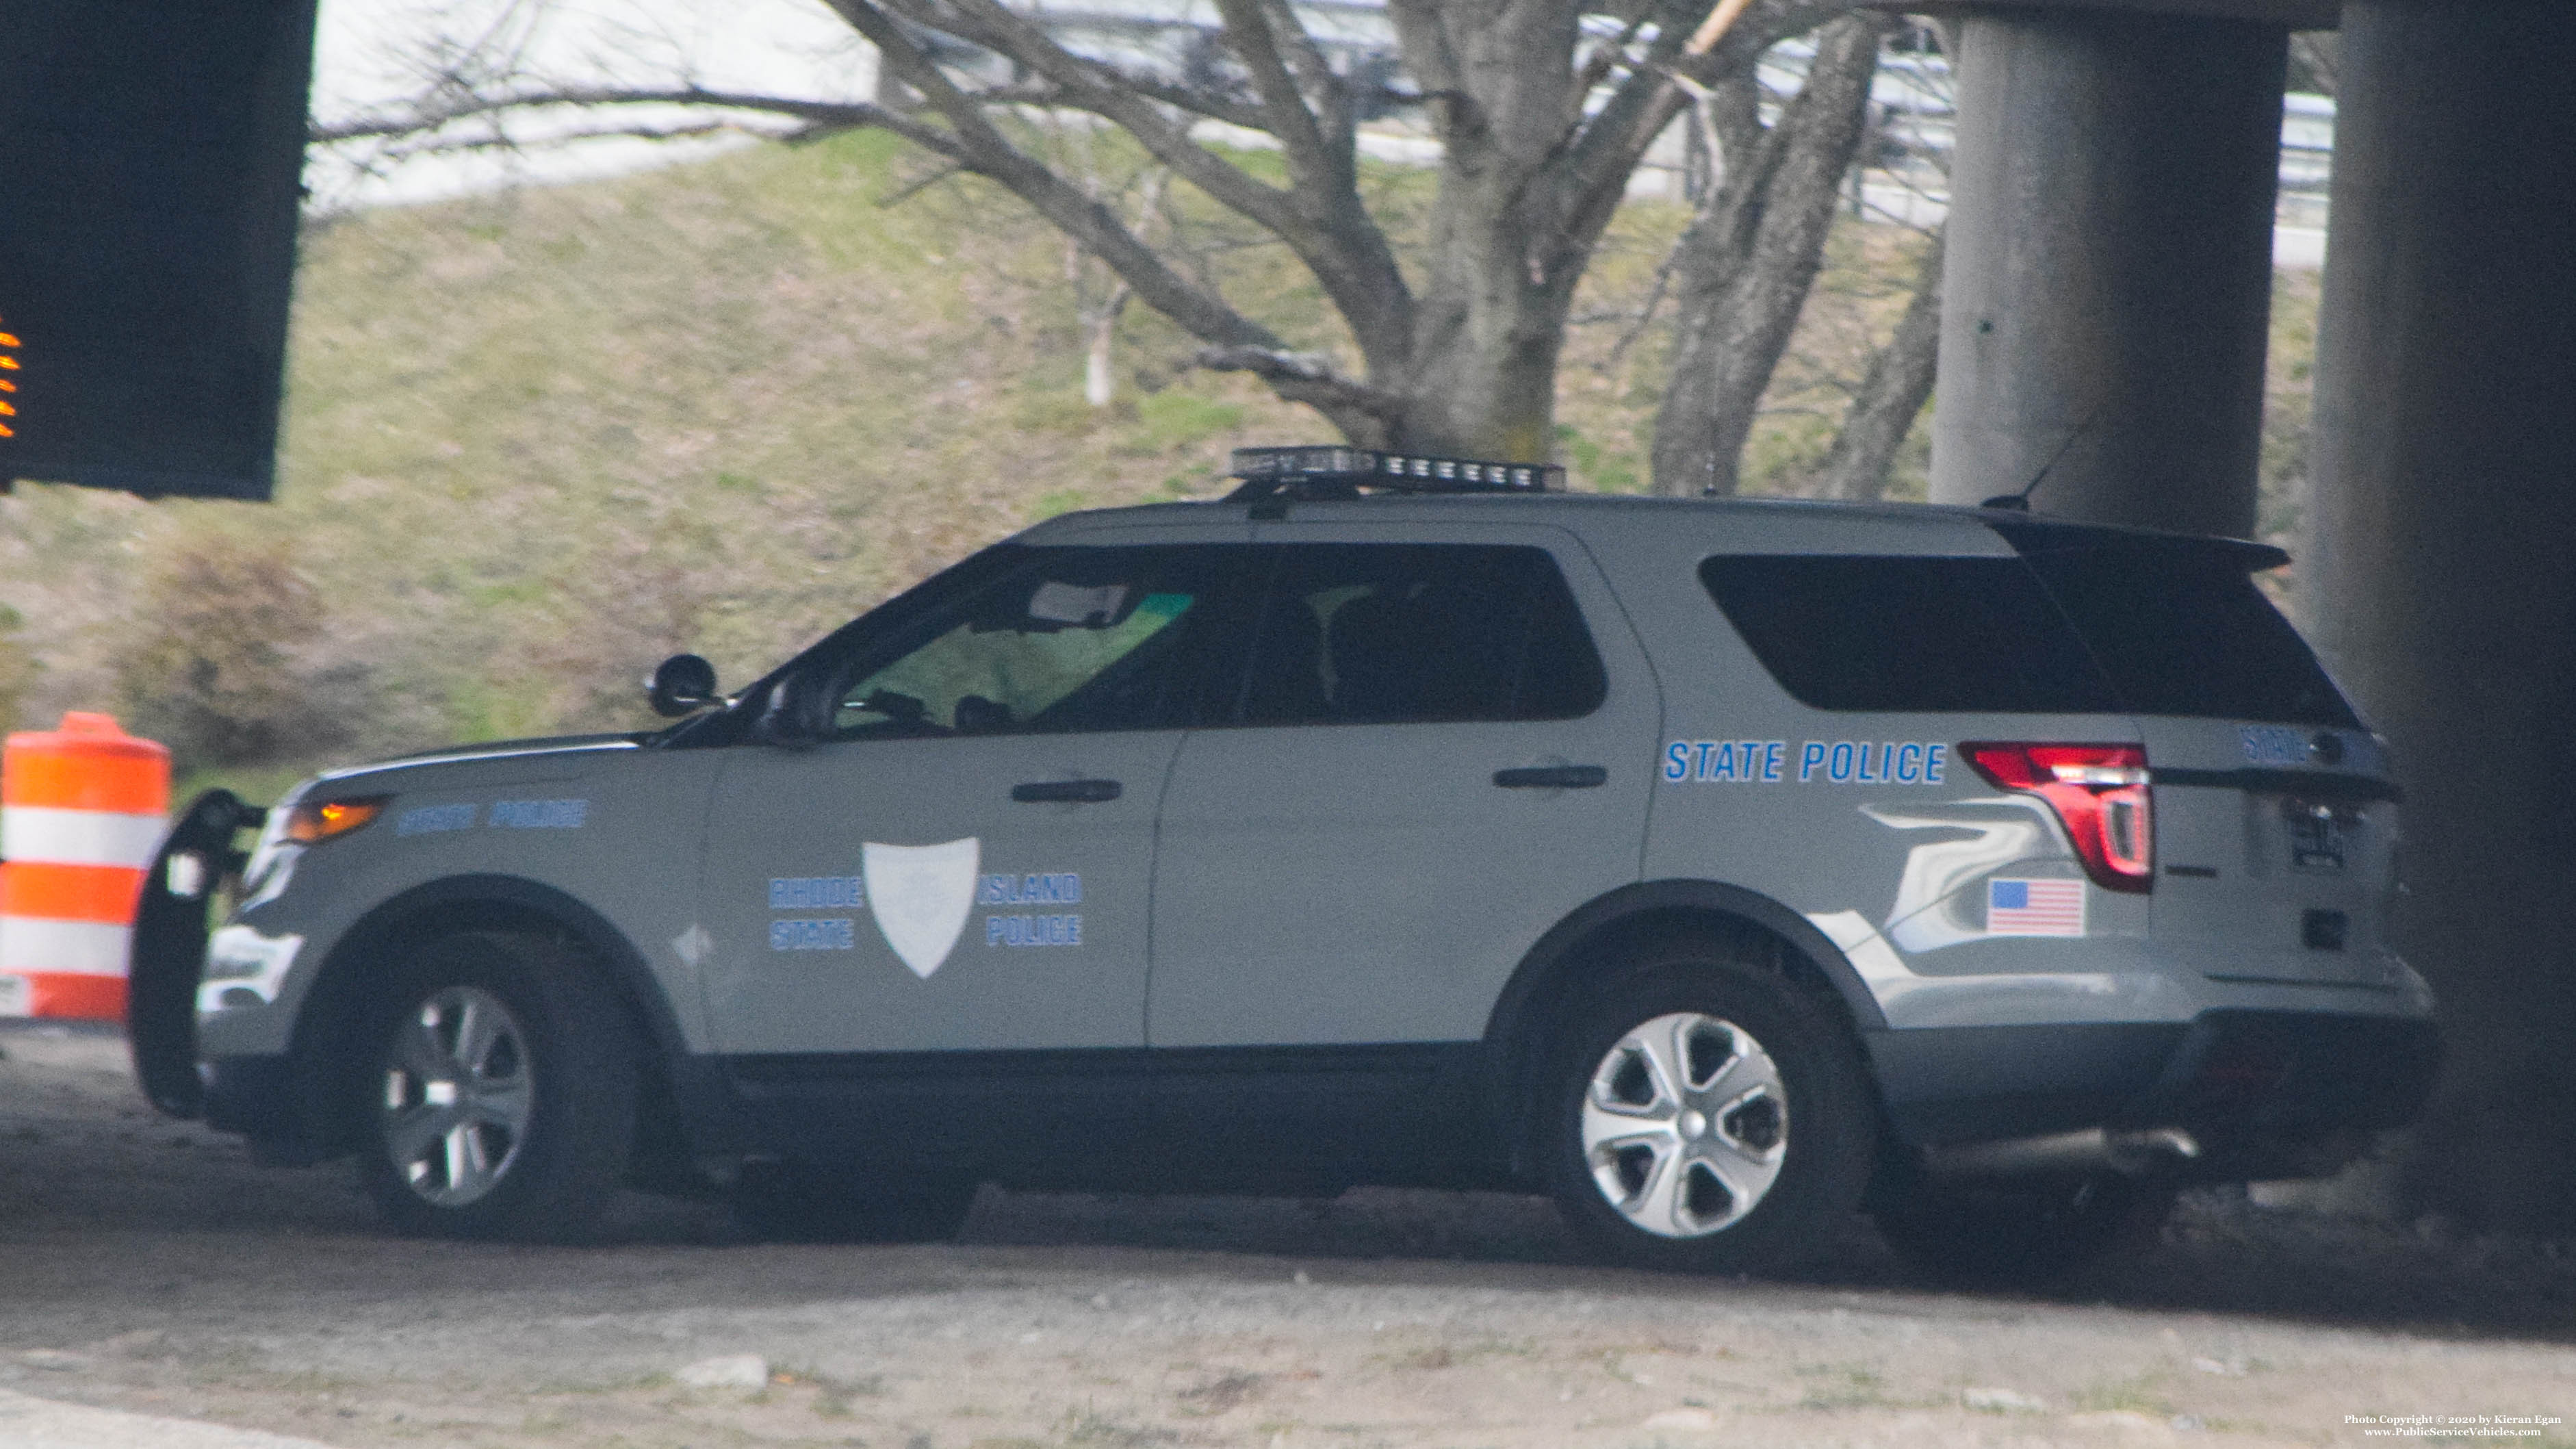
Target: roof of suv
pixel 1799 523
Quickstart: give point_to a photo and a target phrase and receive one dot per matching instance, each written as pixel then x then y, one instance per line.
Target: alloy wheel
pixel 1685 1125
pixel 458 1096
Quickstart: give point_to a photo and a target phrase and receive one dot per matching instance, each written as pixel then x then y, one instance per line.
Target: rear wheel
pixel 498 1092
pixel 2024 1234
pixel 1707 1115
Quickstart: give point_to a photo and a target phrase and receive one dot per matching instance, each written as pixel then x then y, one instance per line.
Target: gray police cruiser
pixel 1719 867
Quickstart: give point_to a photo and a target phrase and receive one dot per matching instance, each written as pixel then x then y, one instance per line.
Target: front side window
pixel 1392 633
pixel 1075 639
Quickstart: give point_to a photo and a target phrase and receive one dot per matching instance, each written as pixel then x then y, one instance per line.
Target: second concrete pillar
pixel 2107 296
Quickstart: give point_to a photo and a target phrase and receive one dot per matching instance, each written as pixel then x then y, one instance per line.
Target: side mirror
pixel 681 684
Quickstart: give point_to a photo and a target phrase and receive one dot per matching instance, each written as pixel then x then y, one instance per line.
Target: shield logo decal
pixel 920 895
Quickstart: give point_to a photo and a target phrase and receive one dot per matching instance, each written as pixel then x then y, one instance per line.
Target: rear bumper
pixel 2266 1093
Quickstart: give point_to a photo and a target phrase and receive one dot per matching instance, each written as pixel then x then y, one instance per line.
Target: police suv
pixel 1719 867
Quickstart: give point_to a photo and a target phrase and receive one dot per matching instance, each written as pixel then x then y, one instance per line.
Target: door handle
pixel 1552 777
pixel 1079 792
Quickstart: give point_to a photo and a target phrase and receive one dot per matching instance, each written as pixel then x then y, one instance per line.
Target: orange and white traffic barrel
pixel 82 812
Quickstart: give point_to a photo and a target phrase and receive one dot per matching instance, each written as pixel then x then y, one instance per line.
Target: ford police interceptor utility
pixel 1720 867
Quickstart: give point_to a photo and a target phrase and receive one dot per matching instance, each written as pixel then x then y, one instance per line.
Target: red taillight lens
pixel 2100 794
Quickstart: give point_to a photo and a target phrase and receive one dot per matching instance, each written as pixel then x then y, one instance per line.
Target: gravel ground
pixel 150 1266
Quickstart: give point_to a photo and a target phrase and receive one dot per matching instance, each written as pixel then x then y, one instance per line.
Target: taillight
pixel 2100 794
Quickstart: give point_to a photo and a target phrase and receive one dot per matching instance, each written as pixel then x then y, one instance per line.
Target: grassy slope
pixel 536 441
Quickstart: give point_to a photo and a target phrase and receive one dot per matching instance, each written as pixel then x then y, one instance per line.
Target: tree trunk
pixel 1489 321
pixel 1747 264
pixel 1892 396
pixel 1099 378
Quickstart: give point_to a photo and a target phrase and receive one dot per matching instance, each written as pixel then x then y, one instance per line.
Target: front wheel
pixel 1708 1115
pixel 498 1092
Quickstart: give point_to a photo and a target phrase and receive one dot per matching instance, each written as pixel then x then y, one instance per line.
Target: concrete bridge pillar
pixel 2107 291
pixel 2441 572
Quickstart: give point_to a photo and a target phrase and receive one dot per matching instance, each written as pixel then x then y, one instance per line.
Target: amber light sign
pixel 8 381
pixel 150 155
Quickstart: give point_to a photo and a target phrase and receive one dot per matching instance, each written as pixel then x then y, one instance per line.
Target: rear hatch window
pixel 2083 621
pixel 2181 628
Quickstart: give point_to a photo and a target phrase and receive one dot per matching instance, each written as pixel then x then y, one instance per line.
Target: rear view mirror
pixel 681 684
pixel 1103 607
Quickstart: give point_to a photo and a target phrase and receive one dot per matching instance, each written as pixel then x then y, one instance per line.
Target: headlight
pixel 310 822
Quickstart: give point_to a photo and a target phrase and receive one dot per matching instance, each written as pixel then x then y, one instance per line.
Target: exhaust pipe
pixel 2094 1149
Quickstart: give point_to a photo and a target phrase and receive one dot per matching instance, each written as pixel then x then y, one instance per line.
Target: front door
pixel 933 919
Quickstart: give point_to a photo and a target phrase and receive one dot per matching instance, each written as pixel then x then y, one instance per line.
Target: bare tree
pixel 1539 126
pixel 1744 268
pixel 1891 396
pixel 1100 295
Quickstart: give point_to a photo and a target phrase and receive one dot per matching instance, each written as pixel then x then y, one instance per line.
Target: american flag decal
pixel 2034 908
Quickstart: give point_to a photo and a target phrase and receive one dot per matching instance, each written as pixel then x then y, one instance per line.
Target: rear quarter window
pixel 1905 633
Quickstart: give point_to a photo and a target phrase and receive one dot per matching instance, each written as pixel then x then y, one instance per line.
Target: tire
pixel 1703 1114
pixel 2023 1234
pixel 796 1203
pixel 497 1092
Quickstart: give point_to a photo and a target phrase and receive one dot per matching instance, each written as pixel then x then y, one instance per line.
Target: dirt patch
pixel 150 1265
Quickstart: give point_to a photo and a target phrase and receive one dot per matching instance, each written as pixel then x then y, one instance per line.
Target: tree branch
pixel 1314 160
pixel 979 147
pixel 1892 396
pixel 1364 414
pixel 1600 156
pixel 839 115
pixel 1087 87
pixel 1320 216
pixel 1752 261
pixel 1197 102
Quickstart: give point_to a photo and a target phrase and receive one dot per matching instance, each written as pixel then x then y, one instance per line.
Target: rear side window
pixel 1915 634
pixel 1390 633
pixel 2181 629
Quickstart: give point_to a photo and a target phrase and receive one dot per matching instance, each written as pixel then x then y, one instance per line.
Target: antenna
pixel 2020 502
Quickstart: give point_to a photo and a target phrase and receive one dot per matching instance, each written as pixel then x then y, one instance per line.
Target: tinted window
pixel 1072 639
pixel 1901 633
pixel 2182 630
pixel 1381 633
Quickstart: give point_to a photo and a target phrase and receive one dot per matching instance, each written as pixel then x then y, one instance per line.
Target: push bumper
pixel 2264 1093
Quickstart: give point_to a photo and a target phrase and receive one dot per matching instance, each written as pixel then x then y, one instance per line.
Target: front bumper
pixel 2266 1093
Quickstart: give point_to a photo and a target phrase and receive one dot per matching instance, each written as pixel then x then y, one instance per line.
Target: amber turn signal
pixel 315 821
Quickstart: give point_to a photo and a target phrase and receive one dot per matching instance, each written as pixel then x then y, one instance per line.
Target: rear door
pixel 1435 759
pixel 2275 820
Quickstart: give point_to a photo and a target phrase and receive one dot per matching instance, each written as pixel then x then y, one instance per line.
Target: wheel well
pixel 1523 1030
pixel 327 1027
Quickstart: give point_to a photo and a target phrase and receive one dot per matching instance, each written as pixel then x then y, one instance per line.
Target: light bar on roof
pixel 1400 472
